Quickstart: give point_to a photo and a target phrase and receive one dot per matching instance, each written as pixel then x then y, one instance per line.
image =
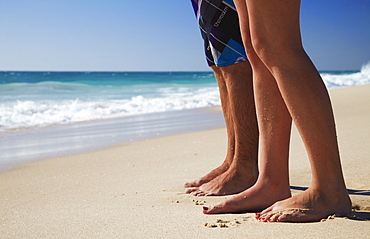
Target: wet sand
pixel 26 145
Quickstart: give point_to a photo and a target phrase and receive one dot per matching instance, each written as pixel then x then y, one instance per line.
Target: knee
pixel 263 49
pixel 254 49
pixel 274 52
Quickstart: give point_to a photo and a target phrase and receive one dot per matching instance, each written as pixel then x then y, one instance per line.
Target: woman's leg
pixel 274 124
pixel 275 36
pixel 273 27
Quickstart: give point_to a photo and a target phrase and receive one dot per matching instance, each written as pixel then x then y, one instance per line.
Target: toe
pixel 299 215
pixel 191 190
pixel 267 217
pixel 192 184
pixel 293 215
pixel 213 209
pixel 285 217
pixel 274 217
pixel 188 184
pixel 200 194
pixel 258 215
pixel 207 210
pixel 264 217
pixel 266 211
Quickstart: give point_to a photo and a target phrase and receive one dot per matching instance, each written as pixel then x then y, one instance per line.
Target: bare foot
pixel 256 198
pixel 210 176
pixel 308 206
pixel 236 179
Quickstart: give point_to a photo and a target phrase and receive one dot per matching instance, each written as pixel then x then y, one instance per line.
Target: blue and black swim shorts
pixel 219 25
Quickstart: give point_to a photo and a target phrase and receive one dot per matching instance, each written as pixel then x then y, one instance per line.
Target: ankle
pixel 336 197
pixel 247 167
pixel 276 186
pixel 337 188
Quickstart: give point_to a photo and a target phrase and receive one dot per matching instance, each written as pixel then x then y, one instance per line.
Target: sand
pixel 135 190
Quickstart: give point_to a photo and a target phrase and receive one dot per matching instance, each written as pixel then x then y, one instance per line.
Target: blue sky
pixel 147 35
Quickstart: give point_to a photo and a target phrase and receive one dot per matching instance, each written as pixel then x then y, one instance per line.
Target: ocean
pixel 37 99
pixel 35 104
pixel 34 99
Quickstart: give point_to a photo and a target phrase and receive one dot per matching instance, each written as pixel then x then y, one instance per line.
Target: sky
pixel 147 35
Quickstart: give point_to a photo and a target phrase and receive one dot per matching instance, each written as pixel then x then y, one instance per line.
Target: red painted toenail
pixel 269 220
pixel 205 208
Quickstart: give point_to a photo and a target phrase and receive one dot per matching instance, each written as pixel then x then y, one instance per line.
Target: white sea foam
pixel 31 113
pixel 347 79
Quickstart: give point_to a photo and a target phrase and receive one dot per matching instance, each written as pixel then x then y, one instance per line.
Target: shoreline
pixel 134 190
pixel 40 143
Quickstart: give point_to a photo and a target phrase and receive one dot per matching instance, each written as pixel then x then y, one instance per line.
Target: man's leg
pixel 239 170
pixel 219 25
pixel 224 95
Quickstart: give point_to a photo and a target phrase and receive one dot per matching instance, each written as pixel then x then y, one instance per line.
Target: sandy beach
pixel 135 190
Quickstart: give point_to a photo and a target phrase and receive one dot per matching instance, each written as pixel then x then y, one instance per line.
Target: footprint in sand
pixel 226 223
pixel 197 202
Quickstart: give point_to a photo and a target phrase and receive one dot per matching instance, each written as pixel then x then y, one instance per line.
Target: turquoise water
pixel 34 99
pixel 29 99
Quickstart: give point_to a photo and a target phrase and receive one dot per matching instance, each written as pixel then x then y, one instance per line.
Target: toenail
pixel 205 208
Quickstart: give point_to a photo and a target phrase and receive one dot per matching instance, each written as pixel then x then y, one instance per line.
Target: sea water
pixel 34 99
pixel 48 114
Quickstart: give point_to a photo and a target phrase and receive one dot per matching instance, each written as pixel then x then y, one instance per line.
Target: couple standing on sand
pixel 261 96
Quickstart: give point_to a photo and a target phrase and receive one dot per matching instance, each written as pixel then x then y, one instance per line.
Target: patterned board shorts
pixel 219 25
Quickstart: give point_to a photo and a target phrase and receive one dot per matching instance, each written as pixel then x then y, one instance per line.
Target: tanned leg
pixel 241 171
pixel 224 95
pixel 275 124
pixel 306 98
pixel 275 37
